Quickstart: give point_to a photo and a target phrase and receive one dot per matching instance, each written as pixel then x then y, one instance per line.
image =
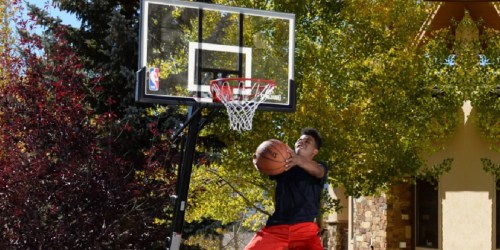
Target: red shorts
pixel 300 236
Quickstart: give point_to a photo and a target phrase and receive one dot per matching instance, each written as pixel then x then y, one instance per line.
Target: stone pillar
pixel 383 222
pixel 399 216
pixel 370 222
pixel 336 237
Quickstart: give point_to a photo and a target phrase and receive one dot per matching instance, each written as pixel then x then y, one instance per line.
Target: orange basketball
pixel 270 157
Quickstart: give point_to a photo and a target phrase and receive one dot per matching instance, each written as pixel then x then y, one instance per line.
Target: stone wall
pixel 336 235
pixel 383 222
pixel 399 216
pixel 370 222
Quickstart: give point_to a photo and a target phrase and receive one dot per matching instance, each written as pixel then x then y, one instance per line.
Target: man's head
pixel 314 134
pixel 309 143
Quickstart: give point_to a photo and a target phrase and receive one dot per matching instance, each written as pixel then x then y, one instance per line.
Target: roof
pixel 442 16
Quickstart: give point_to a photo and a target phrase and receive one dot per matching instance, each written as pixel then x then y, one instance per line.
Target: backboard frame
pixel 142 77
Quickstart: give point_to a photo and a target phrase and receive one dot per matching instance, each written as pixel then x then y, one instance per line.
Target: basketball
pixel 270 157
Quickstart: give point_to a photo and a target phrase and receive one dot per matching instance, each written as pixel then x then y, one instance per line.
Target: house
pixel 461 212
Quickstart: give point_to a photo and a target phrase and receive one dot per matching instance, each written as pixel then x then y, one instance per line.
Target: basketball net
pixel 241 97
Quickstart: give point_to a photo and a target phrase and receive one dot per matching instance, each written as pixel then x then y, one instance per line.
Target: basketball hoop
pixel 241 97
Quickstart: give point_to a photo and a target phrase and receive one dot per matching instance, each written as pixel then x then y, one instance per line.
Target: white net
pixel 240 101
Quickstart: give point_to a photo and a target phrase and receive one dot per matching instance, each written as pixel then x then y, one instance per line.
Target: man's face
pixel 306 146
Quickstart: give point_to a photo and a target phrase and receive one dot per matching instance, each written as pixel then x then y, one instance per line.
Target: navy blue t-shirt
pixel 297 197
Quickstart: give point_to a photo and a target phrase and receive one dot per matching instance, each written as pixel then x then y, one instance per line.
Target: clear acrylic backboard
pixel 185 45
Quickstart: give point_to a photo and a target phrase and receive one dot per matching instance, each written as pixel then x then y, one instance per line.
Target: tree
pixel 54 174
pixel 6 14
pixel 486 97
pixel 64 182
pixel 364 82
pixel 106 44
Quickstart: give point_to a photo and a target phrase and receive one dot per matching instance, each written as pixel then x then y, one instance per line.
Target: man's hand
pixel 310 166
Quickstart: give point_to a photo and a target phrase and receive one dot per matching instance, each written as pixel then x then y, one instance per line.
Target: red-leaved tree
pixel 63 184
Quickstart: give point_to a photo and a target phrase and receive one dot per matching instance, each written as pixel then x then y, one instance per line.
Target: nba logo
pixel 154 79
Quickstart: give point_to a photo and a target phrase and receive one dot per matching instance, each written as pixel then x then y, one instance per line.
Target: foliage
pixel 471 72
pixel 360 82
pixel 490 167
pixel 107 41
pixel 6 13
pixel 217 187
pixel 106 44
pixel 201 241
pixel 55 179
pixel 486 97
pixel 382 99
pixel 432 174
pixel 331 205
pixel 75 173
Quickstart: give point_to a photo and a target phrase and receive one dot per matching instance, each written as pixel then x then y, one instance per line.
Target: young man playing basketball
pixel 297 200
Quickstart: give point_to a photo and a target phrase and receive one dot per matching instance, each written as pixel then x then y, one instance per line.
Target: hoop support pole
pixel 183 180
pixel 188 121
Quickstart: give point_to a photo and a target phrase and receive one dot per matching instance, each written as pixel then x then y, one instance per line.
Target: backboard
pixel 184 45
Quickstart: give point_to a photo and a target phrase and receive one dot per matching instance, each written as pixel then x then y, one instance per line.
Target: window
pixel 426 198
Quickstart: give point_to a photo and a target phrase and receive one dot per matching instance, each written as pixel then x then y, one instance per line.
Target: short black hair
pixel 315 134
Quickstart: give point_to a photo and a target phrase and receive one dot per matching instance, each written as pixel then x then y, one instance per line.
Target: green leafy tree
pixel 365 83
pixel 6 17
pixel 486 97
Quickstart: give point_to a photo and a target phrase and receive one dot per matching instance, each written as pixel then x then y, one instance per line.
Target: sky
pixel 66 17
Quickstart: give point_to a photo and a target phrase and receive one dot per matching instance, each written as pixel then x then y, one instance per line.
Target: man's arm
pixel 310 166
